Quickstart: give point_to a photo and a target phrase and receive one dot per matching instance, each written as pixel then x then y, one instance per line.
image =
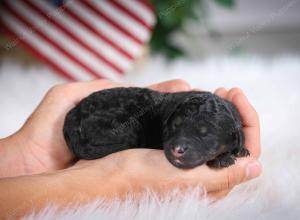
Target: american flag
pixel 81 39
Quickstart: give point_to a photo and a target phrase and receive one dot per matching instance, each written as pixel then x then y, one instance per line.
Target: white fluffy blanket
pixel 272 85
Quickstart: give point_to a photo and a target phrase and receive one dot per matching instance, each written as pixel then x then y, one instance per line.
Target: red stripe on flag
pixel 38 54
pixel 148 5
pixel 51 42
pixel 129 13
pixel 74 37
pixel 110 21
pixel 99 34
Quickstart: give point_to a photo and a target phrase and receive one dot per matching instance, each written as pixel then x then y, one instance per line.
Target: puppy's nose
pixel 179 150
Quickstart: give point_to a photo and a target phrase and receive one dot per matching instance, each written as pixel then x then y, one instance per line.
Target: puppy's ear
pixel 169 111
pixel 172 104
pixel 185 102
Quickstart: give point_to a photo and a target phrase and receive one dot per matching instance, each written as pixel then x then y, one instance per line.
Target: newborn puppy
pixel 192 127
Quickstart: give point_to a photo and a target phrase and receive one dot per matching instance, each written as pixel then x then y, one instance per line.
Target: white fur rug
pixel 272 85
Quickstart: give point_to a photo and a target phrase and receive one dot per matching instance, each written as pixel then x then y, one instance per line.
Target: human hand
pixel 39 145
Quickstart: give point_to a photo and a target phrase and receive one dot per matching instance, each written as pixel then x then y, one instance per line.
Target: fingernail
pixel 253 170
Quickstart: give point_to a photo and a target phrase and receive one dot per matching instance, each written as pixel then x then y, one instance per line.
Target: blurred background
pixel 254 45
pixel 265 28
pixel 202 28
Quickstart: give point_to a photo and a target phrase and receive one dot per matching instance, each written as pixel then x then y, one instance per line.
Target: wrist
pixel 11 160
pixel 65 188
pixel 85 183
pixel 16 160
pixel 25 194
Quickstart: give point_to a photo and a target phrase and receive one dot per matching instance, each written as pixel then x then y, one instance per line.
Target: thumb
pixel 175 85
pixel 222 179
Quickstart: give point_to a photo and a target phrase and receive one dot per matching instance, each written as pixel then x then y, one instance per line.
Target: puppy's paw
pixel 223 160
pixel 241 152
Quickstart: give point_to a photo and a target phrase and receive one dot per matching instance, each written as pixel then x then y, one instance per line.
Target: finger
pixel 232 92
pixel 176 85
pixel 222 92
pixel 76 91
pixel 216 195
pixel 249 118
pixel 246 110
pixel 83 89
pixel 223 179
pixel 197 90
pixel 250 123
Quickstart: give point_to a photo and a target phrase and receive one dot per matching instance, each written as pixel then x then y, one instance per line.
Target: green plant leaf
pixel 226 3
pixel 171 16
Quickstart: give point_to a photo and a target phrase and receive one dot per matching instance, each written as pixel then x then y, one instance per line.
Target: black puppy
pixel 192 127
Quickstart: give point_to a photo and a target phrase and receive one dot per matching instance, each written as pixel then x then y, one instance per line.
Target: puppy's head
pixel 202 127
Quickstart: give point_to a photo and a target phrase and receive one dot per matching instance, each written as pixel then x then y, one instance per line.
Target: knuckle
pixel 60 89
pixel 54 89
pixel 234 177
pixel 101 82
pixel 235 91
pixel 182 83
pixel 221 89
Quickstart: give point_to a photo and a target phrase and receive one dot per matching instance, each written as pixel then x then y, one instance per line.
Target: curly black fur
pixel 192 127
